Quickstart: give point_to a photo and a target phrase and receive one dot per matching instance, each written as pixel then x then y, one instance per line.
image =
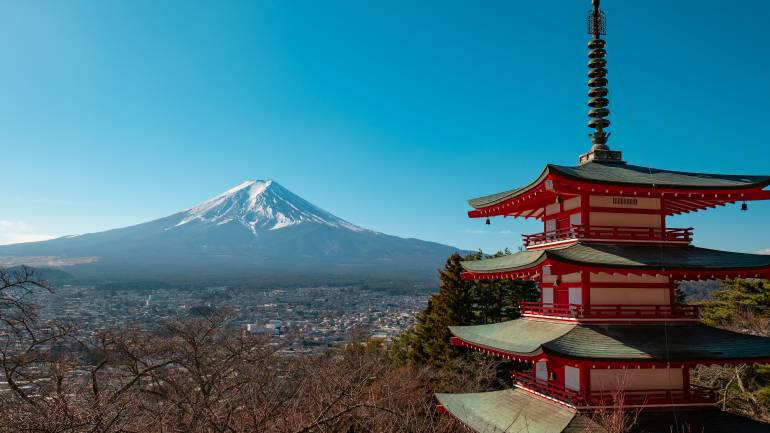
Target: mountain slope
pixel 257 231
pixel 260 205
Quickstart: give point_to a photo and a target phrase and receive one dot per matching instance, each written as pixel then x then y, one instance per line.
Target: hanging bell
pixel 488 222
pixel 744 206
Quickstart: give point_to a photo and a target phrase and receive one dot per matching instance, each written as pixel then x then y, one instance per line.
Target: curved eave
pixel 666 180
pixel 677 262
pixel 682 198
pixel 680 262
pixel 684 343
pixel 532 339
pixel 512 410
pixel 681 274
pixel 525 264
pixel 675 201
pixel 493 199
pixel 519 339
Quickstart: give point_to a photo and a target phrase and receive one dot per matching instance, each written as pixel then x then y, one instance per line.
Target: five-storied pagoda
pixel 607 266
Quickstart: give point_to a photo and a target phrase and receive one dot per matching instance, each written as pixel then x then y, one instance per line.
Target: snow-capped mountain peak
pixel 261 205
pixel 256 234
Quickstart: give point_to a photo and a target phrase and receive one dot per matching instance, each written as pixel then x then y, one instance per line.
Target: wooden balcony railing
pixel 547 387
pixel 693 394
pixel 641 234
pixel 574 311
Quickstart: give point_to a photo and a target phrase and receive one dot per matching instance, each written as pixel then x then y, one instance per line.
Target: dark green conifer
pixel 743 306
pixel 459 302
pixel 737 297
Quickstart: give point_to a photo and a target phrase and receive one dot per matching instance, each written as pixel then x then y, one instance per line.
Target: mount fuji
pixel 261 205
pixel 255 233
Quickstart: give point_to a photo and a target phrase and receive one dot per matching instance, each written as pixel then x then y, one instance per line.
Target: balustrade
pixel 694 394
pixel 575 311
pixel 641 234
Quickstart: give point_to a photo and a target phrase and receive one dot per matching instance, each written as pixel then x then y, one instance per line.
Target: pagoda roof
pixel 516 337
pixel 514 410
pixel 628 174
pixel 614 342
pixel 663 258
pixel 515 261
pixel 664 342
pixel 634 176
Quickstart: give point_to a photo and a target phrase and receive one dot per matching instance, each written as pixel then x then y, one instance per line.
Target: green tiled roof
pixel 637 342
pixel 512 411
pixel 674 342
pixel 647 176
pixel 652 256
pixel 491 199
pixel 521 259
pixel 494 198
pixel 520 336
pixel 626 174
pixel 625 256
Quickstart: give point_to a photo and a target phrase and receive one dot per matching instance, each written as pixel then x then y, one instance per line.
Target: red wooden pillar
pixel 663 217
pixel 584 213
pixel 585 290
pixel 585 380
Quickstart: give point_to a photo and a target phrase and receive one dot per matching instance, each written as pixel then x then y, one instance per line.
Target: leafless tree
pixel 613 416
pixel 198 375
pixel 26 344
pixel 735 393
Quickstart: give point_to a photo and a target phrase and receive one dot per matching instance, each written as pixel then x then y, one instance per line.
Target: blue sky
pixel 388 114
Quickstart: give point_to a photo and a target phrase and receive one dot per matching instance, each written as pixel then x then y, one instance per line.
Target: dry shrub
pixel 197 375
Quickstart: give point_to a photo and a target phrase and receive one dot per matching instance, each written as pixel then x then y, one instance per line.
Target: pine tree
pixel 738 297
pixel 743 306
pixel 450 306
pixel 459 302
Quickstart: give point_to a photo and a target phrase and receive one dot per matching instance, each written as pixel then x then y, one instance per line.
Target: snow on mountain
pixel 261 205
pixel 257 232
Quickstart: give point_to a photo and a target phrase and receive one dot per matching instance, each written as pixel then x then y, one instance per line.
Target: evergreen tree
pixel 738 297
pixel 459 302
pixel 429 341
pixel 742 306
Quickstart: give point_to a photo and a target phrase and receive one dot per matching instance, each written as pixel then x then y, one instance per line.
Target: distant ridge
pixel 257 232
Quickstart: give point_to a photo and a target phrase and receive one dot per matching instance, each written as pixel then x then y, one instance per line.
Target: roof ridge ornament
pixel 598 92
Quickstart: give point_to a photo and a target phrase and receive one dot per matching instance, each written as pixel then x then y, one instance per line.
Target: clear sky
pixel 389 114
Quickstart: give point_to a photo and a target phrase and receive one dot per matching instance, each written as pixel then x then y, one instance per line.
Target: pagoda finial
pixel 597 83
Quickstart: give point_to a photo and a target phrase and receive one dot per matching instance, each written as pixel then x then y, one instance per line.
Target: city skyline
pixel 386 115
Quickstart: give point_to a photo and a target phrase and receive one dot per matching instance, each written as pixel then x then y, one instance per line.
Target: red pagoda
pixel 607 266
